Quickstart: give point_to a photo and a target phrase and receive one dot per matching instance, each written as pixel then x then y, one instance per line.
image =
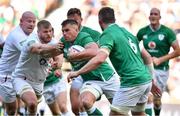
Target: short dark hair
pixel 73 11
pixel 69 21
pixel 43 23
pixel 106 14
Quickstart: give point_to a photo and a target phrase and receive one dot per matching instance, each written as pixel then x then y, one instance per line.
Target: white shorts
pixel 52 91
pixel 21 86
pixel 161 78
pixel 127 98
pixel 97 88
pixel 77 83
pixel 7 91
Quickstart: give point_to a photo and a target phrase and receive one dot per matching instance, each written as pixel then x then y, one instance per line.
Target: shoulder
pixel 83 35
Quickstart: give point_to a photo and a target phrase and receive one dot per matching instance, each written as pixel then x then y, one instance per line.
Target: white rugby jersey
pixel 33 67
pixel 11 51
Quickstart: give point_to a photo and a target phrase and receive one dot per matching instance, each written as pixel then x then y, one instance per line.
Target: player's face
pixel 76 17
pixel 28 24
pixel 70 32
pixel 154 16
pixel 45 34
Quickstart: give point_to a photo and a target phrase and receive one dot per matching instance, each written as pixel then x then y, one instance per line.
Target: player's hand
pixel 156 61
pixel 60 46
pixel 58 73
pixel 155 90
pixel 72 75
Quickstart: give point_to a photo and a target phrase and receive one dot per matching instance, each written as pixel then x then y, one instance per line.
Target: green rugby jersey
pixel 103 73
pixel 125 56
pixel 94 35
pixel 158 42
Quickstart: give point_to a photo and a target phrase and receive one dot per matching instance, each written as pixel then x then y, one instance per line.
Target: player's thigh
pixel 54 108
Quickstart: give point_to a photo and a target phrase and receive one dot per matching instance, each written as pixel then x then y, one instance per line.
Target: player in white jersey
pixel 32 68
pixel 9 59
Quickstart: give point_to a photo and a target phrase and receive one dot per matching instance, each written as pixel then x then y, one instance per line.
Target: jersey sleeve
pixel 106 41
pixel 86 41
pixel 139 35
pixel 171 36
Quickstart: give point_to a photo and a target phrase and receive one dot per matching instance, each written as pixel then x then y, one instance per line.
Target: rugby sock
pixel 157 111
pixel 94 111
pixel 149 109
pixel 83 114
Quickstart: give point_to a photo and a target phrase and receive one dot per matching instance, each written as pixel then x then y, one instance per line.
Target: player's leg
pixel 161 78
pixel 139 109
pixel 54 108
pixel 89 93
pixel 8 95
pixel 149 105
pixel 74 94
pixel 27 94
pixel 60 90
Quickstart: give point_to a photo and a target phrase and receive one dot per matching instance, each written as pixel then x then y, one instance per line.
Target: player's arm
pixel 95 62
pixel 175 53
pixel 47 50
pixel 57 64
pixel 89 52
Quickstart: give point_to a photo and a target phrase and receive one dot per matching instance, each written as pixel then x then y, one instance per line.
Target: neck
pixel 155 26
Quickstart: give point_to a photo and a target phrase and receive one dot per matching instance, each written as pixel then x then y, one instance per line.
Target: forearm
pixel 84 55
pixel 49 50
pixel 93 63
pixel 167 57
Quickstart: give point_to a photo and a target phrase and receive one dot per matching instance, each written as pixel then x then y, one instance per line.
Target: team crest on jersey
pixel 160 37
pixel 145 36
pixel 152 45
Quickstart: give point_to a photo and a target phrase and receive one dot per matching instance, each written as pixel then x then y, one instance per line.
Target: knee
pixel 63 108
pixel 32 105
pixel 87 103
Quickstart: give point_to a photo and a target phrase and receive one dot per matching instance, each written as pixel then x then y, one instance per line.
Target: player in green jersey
pixel 102 80
pixel 75 13
pixel 158 39
pixel 123 50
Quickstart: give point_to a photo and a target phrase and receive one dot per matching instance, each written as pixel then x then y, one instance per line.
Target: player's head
pixel 70 29
pixel 45 31
pixel 27 22
pixel 106 16
pixel 154 16
pixel 75 13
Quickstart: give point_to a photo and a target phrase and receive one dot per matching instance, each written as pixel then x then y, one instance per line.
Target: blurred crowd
pixel 131 14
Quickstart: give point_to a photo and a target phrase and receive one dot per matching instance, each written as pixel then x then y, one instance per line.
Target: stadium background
pixel 132 14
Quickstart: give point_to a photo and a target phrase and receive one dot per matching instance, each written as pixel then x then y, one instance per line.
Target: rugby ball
pixel 76 48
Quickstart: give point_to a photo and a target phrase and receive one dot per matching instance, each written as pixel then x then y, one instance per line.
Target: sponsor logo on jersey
pixel 161 37
pixel 152 45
